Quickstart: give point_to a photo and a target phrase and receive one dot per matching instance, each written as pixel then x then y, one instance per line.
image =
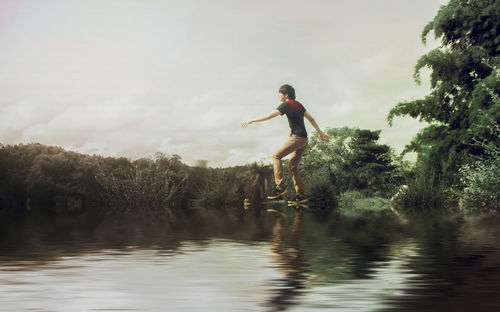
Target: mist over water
pixel 251 261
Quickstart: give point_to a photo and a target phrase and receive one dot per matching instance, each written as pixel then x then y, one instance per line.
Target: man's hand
pixel 245 124
pixel 323 135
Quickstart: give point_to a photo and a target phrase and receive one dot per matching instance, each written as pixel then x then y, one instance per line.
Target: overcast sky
pixel 130 78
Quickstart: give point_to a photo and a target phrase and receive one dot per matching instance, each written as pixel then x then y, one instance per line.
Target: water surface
pixel 254 261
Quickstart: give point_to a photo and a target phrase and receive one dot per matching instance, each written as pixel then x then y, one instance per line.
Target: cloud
pixel 183 75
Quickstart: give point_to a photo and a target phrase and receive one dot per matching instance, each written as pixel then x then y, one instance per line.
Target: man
pixel 296 143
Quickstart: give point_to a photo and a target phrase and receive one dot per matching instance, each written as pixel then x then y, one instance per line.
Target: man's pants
pixel 296 146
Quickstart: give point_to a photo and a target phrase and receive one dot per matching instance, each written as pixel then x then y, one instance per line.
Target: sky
pixel 131 78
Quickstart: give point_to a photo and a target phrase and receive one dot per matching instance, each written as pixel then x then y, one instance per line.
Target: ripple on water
pixel 303 265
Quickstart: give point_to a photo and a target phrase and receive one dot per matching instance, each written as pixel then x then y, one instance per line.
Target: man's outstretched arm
pixel 315 125
pixel 270 116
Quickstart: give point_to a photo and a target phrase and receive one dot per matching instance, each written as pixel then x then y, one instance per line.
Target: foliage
pixel 50 179
pixel 481 187
pixel 424 194
pixel 355 204
pixel 217 188
pixel 63 181
pixel 458 101
pixel 37 176
pixel 322 193
pixel 330 156
pixel 370 161
pixel 146 186
pixel 352 159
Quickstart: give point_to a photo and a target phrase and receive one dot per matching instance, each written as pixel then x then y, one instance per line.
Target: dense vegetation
pixel 36 177
pixel 458 150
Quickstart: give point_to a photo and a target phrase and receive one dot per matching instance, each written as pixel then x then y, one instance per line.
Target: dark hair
pixel 288 90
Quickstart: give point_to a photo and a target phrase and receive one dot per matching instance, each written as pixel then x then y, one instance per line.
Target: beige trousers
pixel 296 146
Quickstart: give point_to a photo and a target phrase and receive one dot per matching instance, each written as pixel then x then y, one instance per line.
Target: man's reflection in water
pixel 290 261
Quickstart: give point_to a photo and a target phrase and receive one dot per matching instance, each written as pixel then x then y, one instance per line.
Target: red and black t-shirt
pixel 295 113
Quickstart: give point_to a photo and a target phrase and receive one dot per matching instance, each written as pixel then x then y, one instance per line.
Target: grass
pixel 354 204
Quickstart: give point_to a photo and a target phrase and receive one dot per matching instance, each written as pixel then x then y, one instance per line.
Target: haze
pixel 131 78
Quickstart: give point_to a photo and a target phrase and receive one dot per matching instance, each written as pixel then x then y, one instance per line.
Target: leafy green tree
pixel 461 75
pixel 352 158
pixel 16 162
pixel 329 157
pixel 369 161
pixel 62 182
pixel 480 181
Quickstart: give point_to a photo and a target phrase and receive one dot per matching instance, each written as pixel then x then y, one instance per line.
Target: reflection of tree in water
pixel 367 241
pixel 290 262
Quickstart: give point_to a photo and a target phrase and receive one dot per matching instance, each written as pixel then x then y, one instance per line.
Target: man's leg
pixel 293 166
pixel 278 166
pixel 289 147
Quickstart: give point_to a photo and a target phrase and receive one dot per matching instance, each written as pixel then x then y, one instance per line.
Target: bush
pixel 145 186
pixel 217 188
pixel 322 193
pixel 480 181
pixel 424 194
pixel 481 187
pixel 357 204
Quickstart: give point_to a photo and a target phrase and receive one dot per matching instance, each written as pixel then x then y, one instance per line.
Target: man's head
pixel 288 91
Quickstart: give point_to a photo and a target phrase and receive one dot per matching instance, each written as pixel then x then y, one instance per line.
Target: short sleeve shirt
pixel 295 113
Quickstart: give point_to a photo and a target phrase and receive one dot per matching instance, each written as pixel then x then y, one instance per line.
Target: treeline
pixel 35 177
pixel 50 179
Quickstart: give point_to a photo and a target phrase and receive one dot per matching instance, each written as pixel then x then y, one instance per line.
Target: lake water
pixel 253 261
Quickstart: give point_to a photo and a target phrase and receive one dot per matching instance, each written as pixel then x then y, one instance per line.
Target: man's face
pixel 282 97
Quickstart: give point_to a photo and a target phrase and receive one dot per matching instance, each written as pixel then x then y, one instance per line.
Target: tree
pixel 462 70
pixel 329 157
pixel 352 158
pixel 369 161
